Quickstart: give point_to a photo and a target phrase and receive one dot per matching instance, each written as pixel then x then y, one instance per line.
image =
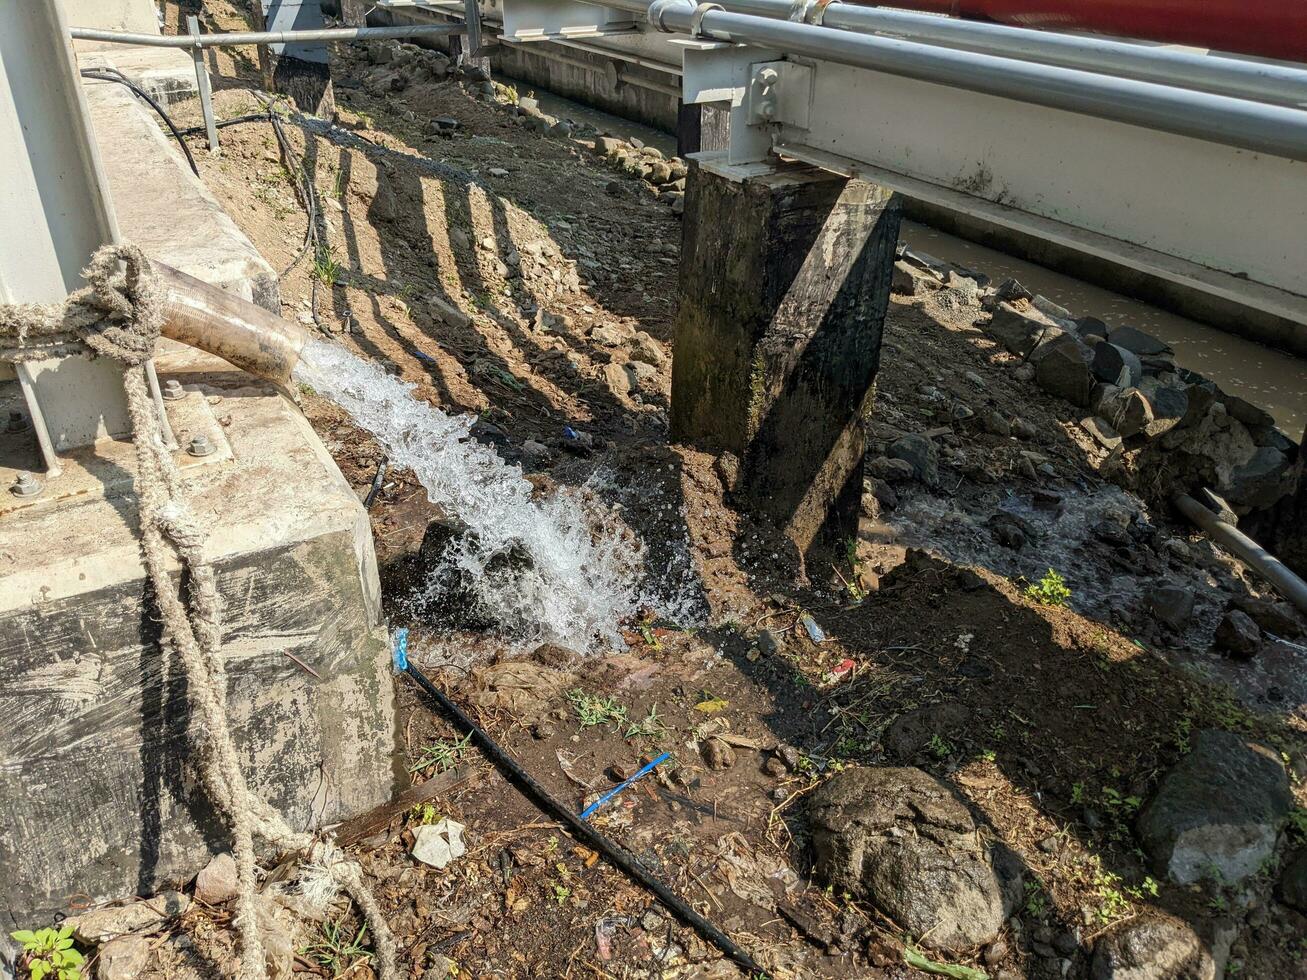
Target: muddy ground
pixel 1053 722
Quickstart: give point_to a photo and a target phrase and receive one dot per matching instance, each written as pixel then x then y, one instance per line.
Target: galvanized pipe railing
pixel 236 38
pixel 1271 129
pixel 1260 81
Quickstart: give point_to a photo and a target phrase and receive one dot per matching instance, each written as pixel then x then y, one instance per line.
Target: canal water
pixel 1270 379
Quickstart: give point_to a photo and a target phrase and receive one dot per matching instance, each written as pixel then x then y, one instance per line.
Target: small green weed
pixel 651 726
pixel 336 951
pixel 1051 590
pixel 424 815
pixel 440 756
pixel 1036 901
pixel 1298 823
pixel 50 953
pixel 325 267
pixel 939 747
pixel 592 710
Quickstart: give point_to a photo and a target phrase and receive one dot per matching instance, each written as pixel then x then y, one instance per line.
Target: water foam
pixel 552 569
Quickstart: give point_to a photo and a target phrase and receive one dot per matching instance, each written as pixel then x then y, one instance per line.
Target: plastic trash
pixel 439 843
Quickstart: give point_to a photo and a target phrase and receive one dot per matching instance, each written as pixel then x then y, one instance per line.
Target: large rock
pixel 217 882
pixel 1261 480
pixel 1238 635
pixel 1063 369
pixel 1125 409
pixel 124 959
pixel 101 925
pixel 1172 605
pixel 919 452
pixel 1116 365
pixel 1020 332
pixel 1154 949
pixel 1168 404
pixel 902 841
pixel 1138 342
pixel 1218 812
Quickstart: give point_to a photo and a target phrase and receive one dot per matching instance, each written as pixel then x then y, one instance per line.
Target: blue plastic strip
pixel 400 654
pixel 621 786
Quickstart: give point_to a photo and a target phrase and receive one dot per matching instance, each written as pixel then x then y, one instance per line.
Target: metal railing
pixel 195 42
pixel 1273 129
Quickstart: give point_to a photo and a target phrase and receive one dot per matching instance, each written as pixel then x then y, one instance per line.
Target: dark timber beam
pixel 299 71
pixel 785 279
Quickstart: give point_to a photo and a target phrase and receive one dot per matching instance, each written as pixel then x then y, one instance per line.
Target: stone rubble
pixel 1178 425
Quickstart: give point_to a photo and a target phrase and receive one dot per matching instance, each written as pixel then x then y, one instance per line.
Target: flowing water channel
pixel 555 569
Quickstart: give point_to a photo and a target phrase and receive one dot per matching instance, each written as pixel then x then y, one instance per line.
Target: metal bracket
pixel 779 92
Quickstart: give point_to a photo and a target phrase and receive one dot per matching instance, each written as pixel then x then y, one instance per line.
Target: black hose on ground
pixel 377 480
pixel 114 75
pixel 616 855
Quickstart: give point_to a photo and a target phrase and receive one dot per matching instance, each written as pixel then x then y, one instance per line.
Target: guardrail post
pixel 785 278
pixel 202 82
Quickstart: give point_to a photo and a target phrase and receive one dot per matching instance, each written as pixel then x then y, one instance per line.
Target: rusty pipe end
pixel 243 334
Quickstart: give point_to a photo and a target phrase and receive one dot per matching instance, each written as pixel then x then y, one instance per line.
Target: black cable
pixel 309 201
pixel 623 859
pixel 377 480
pixel 114 75
pixel 223 123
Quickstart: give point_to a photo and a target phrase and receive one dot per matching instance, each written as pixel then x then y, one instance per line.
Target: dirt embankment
pixel 506 269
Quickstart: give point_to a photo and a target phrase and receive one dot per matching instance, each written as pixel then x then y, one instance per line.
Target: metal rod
pixel 1276 130
pixel 236 38
pixel 1260 81
pixel 202 82
pixel 1258 558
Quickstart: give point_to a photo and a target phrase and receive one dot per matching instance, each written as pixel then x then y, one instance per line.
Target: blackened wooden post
pixel 298 70
pixel 701 127
pixel 785 279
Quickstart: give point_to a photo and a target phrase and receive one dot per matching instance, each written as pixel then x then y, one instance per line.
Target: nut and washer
pixel 17 422
pixel 173 390
pixel 26 485
pixel 201 446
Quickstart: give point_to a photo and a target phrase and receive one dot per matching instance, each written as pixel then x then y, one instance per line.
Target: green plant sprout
pixel 50 953
pixel 1051 590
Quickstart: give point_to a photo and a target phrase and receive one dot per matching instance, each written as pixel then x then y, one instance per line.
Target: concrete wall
pixel 136 16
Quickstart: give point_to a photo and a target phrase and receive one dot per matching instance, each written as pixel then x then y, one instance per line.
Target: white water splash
pixel 573 578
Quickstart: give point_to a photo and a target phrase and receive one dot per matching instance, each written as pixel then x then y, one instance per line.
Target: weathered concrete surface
pixel 166 74
pixel 785 279
pixel 165 208
pixel 97 792
pixel 133 16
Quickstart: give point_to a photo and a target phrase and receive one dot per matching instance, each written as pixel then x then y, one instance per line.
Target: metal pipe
pixel 241 333
pixel 1262 82
pixel 1254 555
pixel 236 38
pixel 1269 28
pixel 1276 130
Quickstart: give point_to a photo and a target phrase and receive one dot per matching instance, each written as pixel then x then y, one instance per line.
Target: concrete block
pixel 166 74
pixel 98 794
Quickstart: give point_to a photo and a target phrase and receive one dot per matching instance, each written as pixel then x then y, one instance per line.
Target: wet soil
pixel 1053 721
